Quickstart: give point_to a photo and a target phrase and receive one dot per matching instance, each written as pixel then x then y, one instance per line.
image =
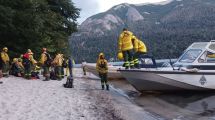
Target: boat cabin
pixel 199 55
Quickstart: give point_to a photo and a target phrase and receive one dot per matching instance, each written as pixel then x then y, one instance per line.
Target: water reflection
pixel 183 105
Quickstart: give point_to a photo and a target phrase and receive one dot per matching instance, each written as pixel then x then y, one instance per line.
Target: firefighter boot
pixel 107 87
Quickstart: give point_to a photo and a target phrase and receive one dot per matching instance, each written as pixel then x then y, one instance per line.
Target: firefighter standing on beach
pixel 102 69
pixel 5 62
pixel 58 62
pixel 46 63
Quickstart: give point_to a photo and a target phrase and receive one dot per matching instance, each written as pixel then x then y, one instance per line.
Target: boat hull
pixel 144 80
pixel 112 71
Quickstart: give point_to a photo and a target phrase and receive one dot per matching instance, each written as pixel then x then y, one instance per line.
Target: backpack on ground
pixel 69 82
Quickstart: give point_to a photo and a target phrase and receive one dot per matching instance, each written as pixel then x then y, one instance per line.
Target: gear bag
pixel 69 82
pixel 49 60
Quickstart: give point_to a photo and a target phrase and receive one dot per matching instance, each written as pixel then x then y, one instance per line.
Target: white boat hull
pixel 144 80
pixel 112 71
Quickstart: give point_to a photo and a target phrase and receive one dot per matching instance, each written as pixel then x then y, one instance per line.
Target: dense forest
pixel 34 24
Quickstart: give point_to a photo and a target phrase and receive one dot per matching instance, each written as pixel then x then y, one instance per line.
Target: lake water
pixel 184 105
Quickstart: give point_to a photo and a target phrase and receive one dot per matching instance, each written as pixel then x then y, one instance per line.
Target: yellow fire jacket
pixel 31 58
pixel 102 66
pixel 58 60
pixel 139 46
pixel 125 42
pixel 5 57
pixel 43 58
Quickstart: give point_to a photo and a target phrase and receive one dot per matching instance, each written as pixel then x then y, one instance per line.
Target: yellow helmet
pixel 120 56
pixel 5 48
pixel 101 54
pixel 30 52
pixel 15 60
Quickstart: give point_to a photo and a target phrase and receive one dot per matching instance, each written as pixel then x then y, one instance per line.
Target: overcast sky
pixel 91 7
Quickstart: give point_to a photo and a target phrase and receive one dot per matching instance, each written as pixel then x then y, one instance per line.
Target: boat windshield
pixel 190 56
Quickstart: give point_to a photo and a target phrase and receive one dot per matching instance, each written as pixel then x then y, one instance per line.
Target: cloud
pixel 88 8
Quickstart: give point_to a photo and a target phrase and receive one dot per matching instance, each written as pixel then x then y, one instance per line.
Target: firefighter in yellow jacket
pixel 5 62
pixel 46 63
pixel 125 46
pixel 139 49
pixel 102 69
pixel 58 62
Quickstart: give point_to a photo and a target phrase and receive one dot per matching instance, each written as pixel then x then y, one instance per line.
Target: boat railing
pixel 212 41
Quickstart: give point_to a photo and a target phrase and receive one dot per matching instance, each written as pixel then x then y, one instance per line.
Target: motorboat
pixel 193 70
pixel 112 70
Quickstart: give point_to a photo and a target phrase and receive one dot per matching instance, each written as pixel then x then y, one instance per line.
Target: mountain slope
pixel 167 29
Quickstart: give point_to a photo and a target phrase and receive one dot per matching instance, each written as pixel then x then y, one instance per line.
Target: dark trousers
pixel 128 58
pixel 59 72
pixel 28 71
pixel 136 57
pixel 5 68
pixel 103 77
pixel 46 72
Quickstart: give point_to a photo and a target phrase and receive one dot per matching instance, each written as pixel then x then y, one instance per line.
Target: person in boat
pixel 139 49
pixel 125 46
pixel 5 62
pixel 210 55
pixel 102 69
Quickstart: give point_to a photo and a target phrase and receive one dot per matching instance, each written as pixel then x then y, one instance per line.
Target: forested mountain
pixel 34 24
pixel 166 28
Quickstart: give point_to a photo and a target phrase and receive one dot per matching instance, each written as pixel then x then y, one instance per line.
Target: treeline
pixel 35 24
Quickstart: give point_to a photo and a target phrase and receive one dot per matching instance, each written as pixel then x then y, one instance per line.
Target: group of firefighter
pixel 130 48
pixel 26 66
